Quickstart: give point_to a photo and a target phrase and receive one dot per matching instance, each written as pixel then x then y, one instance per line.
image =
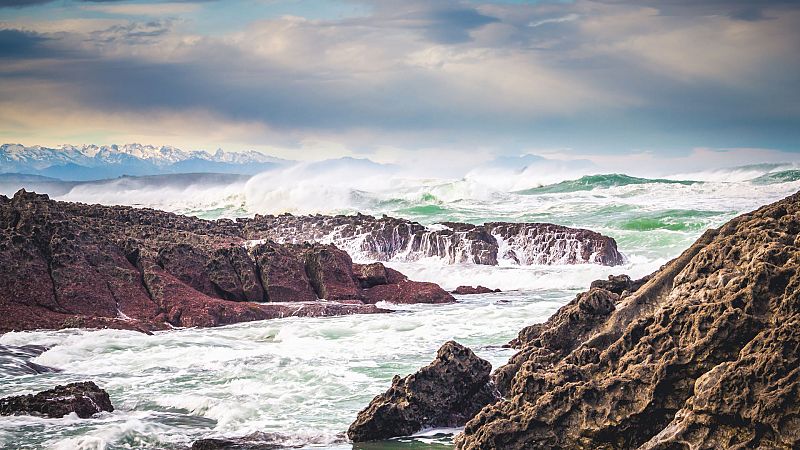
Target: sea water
pixel 305 379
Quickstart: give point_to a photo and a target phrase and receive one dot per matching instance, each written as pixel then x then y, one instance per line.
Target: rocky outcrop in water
pixel 84 399
pixel 263 441
pixel 388 238
pixel 445 393
pixel 469 290
pixel 704 353
pixel 76 265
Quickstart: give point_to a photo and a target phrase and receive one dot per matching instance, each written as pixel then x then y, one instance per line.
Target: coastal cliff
pixel 703 353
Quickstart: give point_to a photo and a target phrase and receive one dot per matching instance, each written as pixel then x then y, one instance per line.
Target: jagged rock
pixel 84 399
pixel 387 238
pixel 407 292
pixel 705 354
pixel 257 441
pixel 75 265
pixel 445 393
pixel 375 274
pixel 469 290
pixel 620 284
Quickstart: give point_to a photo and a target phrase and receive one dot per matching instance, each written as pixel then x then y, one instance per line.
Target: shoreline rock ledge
pixel 702 354
pixel 72 265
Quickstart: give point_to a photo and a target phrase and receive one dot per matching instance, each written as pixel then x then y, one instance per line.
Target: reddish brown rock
pixel 74 265
pixel 408 292
pixel 330 272
pixel 469 290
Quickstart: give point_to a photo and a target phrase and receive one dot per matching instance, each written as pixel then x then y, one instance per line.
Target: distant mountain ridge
pixel 92 162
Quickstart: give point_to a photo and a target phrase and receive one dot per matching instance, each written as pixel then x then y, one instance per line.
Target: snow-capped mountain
pixel 92 162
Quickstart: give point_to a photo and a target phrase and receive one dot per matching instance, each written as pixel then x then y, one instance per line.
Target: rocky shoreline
pixel 703 353
pixel 68 265
pixel 71 265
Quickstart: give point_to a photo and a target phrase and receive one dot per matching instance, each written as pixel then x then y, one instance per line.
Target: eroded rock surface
pixel 387 238
pixel 84 399
pixel 470 290
pixel 75 265
pixel 705 354
pixel 445 393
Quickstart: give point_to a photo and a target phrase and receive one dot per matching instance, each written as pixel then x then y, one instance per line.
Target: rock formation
pixel 469 290
pixel 445 393
pixel 704 353
pixel 389 238
pixel 259 441
pixel 84 399
pixel 76 265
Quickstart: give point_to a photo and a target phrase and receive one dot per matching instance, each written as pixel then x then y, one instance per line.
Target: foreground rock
pixel 260 441
pixel 469 290
pixel 84 399
pixel 76 265
pixel 445 393
pixel 704 354
pixel 388 238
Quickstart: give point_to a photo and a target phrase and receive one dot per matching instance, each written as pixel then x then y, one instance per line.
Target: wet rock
pixel 260 441
pixel 407 292
pixel 84 399
pixel 71 265
pixel 445 393
pixel 469 290
pixel 387 238
pixel 704 354
pixel 620 284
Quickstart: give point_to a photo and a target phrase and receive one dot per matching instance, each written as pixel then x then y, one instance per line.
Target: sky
pixel 679 82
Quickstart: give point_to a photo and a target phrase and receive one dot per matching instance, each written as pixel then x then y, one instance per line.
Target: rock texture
pixel 76 265
pixel 262 441
pixel 84 399
pixel 704 354
pixel 388 238
pixel 469 290
pixel 445 393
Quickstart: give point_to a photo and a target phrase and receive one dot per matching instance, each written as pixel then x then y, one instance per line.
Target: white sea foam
pixel 299 374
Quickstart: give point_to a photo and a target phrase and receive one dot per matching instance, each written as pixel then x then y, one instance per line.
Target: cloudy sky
pixel 607 80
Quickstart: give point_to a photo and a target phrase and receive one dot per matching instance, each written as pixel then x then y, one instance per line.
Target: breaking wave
pixel 589 182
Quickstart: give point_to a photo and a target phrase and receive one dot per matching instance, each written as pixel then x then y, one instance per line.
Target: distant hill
pixel 12 182
pixel 91 162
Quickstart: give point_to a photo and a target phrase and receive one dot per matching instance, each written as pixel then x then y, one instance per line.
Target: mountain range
pixel 92 162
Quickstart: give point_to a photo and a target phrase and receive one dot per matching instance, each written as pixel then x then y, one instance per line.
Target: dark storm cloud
pixel 452 25
pixel 23 44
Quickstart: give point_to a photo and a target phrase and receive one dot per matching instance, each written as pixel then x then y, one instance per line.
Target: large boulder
pixel 84 399
pixel 445 393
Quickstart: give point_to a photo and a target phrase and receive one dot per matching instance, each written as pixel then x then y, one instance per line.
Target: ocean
pixel 305 379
